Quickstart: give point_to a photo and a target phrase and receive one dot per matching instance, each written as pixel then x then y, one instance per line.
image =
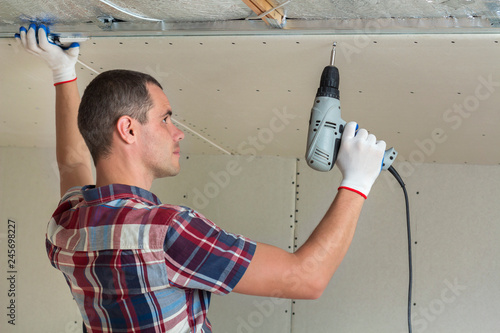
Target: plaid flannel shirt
pixel 134 264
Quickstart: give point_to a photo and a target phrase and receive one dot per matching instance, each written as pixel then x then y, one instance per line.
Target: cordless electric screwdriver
pixel 326 126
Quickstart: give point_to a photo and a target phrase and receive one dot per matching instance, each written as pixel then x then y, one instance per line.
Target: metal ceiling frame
pixel 445 25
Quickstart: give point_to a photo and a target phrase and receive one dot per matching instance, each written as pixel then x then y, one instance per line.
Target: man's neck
pixel 120 172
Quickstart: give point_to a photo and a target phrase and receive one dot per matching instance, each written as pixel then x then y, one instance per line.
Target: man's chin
pixel 168 173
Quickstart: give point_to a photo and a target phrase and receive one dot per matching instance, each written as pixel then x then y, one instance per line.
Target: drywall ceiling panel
pixel 434 97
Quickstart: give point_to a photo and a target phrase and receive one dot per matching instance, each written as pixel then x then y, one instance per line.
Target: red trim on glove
pixel 353 190
pixel 58 83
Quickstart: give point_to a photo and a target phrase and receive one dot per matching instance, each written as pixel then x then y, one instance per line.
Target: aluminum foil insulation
pixel 86 11
pixel 396 9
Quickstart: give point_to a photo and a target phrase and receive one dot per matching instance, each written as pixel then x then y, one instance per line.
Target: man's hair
pixel 111 95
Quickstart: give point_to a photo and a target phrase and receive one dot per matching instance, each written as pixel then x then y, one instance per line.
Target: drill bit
pixel 332 60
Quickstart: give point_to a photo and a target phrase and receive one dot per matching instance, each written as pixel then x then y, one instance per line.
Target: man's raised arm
pixel 73 157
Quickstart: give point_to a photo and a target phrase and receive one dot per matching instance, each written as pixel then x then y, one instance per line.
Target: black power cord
pixel 410 270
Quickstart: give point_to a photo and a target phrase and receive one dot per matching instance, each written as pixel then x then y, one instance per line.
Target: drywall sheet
pixel 252 196
pixel 457 215
pixel 34 296
pixel 455 226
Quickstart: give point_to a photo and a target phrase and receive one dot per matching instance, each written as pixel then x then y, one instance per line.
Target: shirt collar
pixel 111 192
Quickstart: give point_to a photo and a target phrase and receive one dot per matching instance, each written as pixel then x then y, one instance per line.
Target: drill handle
pixel 389 157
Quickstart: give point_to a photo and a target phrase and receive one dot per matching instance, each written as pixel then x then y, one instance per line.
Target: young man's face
pixel 160 137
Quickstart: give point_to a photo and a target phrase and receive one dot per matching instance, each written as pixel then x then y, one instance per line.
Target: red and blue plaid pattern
pixel 134 264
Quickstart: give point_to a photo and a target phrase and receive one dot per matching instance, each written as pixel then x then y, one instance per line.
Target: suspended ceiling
pixel 243 87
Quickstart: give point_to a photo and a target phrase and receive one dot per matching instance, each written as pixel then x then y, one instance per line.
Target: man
pixel 133 263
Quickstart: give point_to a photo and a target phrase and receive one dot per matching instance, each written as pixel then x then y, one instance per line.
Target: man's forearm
pixel 73 156
pixel 324 250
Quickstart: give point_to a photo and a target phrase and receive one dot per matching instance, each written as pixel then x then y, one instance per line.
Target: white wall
pixel 29 192
pixel 454 222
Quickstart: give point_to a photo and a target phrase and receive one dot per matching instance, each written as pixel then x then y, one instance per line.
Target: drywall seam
pixel 201 136
pixel 294 241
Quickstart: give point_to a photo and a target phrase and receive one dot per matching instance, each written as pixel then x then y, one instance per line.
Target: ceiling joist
pixel 269 11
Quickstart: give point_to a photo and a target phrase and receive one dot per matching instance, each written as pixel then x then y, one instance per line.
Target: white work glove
pixel 61 61
pixel 359 159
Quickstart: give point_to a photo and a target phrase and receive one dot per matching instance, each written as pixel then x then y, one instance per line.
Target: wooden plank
pixel 274 18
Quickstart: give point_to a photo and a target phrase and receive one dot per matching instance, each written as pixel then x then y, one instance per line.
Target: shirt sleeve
pixel 72 192
pixel 200 255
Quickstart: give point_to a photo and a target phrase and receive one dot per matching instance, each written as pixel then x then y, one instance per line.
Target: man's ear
pixel 126 128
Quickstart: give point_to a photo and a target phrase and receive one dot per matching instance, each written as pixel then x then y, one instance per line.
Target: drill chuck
pixel 329 83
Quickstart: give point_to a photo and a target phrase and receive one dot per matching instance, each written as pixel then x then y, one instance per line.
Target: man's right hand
pixel 360 159
pixel 60 61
